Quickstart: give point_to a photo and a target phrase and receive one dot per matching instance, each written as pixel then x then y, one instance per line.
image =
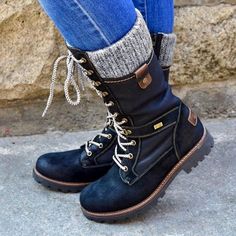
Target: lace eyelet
pixel 109 136
pixel 97 83
pixel 125 120
pixel 127 132
pixel 82 60
pixel 90 72
pixel 131 156
pixel 104 94
pixel 100 145
pixel 89 154
pixel 111 103
pixel 126 168
pixel 133 142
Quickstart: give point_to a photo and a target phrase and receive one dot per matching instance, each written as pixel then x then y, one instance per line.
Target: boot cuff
pixel 167 49
pixel 126 55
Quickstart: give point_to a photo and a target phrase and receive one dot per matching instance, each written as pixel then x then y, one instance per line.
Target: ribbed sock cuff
pixel 167 49
pixel 127 54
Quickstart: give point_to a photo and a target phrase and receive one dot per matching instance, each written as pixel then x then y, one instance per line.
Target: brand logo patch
pixel 143 76
pixel 158 125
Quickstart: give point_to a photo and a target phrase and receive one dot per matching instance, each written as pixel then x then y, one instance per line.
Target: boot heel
pixel 200 154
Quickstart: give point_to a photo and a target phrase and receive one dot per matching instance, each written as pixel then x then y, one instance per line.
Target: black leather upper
pixel 76 165
pixel 158 123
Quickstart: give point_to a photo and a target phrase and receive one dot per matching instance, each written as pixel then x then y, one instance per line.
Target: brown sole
pixel 189 161
pixel 55 185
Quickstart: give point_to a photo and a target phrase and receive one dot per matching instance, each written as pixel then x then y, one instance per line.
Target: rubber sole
pixel 187 163
pixel 65 187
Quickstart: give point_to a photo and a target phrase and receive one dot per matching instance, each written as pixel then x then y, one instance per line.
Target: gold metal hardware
pixel 158 125
pixel 82 60
pixel 89 72
pixel 127 132
pixel 104 94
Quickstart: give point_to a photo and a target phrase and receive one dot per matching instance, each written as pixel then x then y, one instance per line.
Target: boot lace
pixel 123 141
pixel 74 65
pixel 91 142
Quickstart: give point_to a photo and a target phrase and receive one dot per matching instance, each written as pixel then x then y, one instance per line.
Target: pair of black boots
pixel 150 136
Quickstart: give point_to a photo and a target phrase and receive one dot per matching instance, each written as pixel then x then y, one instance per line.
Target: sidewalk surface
pixel 202 203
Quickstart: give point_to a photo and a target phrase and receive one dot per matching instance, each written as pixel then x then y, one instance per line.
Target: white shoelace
pixel 120 135
pixel 109 122
pixel 72 63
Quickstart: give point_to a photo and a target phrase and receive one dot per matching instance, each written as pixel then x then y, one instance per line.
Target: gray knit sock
pixel 126 55
pixel 167 49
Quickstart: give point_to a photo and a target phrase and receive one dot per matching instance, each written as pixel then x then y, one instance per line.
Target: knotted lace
pixel 72 64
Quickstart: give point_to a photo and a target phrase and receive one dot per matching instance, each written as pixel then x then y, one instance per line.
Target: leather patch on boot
pixel 192 117
pixel 143 76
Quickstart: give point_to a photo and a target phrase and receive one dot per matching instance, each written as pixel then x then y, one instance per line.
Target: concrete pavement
pixel 202 203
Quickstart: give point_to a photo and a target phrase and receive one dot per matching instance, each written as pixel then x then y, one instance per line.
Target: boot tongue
pixel 156 41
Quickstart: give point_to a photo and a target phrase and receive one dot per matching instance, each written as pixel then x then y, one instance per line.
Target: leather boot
pixel 71 171
pixel 158 135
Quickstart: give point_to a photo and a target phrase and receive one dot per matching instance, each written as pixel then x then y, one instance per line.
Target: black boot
pixel 158 135
pixel 72 170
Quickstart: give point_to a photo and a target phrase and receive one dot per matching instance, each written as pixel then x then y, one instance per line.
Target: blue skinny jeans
pixel 94 24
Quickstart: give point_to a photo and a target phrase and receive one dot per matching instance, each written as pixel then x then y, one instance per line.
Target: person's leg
pixel 158 14
pixel 159 17
pixel 91 24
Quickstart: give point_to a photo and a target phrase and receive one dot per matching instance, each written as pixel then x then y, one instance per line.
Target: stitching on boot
pixel 174 136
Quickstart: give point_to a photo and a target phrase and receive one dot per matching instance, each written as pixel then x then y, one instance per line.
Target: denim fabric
pixel 94 24
pixel 91 24
pixel 158 14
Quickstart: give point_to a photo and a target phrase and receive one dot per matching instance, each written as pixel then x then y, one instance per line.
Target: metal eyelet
pixel 97 83
pixel 125 120
pixel 109 136
pixel 126 168
pixel 82 60
pixel 104 94
pixel 100 145
pixel 127 132
pixel 89 72
pixel 89 154
pixel 111 103
pixel 131 156
pixel 133 142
